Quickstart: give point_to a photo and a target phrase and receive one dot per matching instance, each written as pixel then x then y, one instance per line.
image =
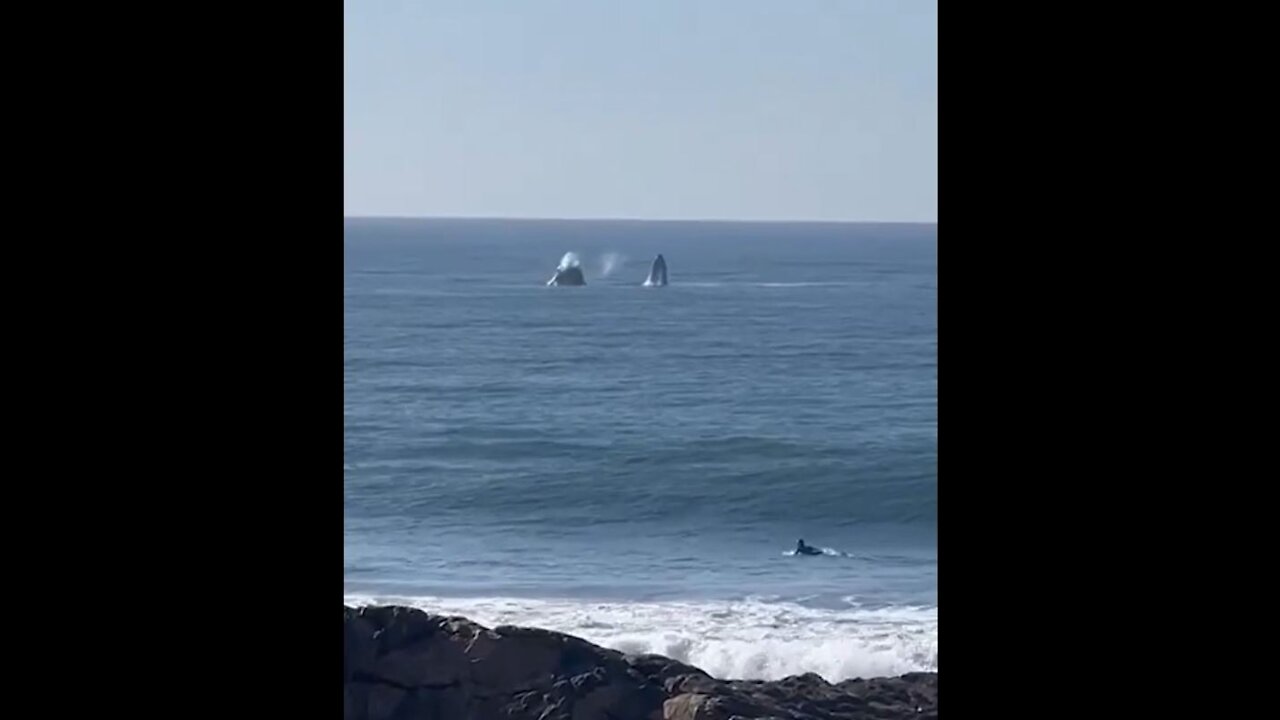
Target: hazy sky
pixel 729 109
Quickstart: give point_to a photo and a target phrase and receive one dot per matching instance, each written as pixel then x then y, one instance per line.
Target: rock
pixel 404 664
pixel 688 706
pixel 383 701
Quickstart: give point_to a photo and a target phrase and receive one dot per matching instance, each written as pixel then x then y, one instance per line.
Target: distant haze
pixel 716 109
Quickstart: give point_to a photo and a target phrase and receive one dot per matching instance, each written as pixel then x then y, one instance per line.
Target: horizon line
pixel 346 216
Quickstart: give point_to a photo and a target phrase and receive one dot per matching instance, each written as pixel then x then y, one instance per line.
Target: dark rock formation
pixel 403 664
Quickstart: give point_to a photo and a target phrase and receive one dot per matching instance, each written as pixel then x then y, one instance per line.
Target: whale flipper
pixel 657 273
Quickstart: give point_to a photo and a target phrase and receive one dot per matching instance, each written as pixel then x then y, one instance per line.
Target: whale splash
pixel 568 272
pixel 657 273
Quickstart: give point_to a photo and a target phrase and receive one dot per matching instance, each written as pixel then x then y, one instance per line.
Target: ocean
pixel 633 465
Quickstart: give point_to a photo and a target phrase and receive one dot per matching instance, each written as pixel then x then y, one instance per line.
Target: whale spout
pixel 569 272
pixel 657 273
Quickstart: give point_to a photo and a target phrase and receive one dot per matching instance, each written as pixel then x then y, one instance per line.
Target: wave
pixel 802 284
pixel 750 639
pixel 735 479
pixel 752 283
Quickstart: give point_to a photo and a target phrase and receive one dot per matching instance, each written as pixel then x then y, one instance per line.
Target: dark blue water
pixel 631 463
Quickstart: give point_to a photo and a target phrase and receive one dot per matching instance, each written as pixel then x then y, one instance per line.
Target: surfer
pixel 802 549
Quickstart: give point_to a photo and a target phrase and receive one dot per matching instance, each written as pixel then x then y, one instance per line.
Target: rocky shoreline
pixel 403 664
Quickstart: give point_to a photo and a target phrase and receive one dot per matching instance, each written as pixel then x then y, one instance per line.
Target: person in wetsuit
pixel 802 549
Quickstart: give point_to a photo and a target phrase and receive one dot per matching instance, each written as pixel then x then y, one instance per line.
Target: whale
pixel 569 277
pixel 657 273
pixel 568 273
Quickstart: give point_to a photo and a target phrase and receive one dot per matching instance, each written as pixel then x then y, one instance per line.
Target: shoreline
pixel 745 638
pixel 402 663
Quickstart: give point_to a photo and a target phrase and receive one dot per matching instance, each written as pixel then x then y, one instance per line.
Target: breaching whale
pixel 568 273
pixel 568 276
pixel 657 273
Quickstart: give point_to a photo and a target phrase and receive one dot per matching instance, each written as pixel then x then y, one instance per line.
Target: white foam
pixel 747 639
pixel 570 260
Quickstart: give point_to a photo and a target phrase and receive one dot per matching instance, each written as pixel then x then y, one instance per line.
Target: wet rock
pixel 404 664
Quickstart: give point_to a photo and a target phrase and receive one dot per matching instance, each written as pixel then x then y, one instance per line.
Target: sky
pixel 648 109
